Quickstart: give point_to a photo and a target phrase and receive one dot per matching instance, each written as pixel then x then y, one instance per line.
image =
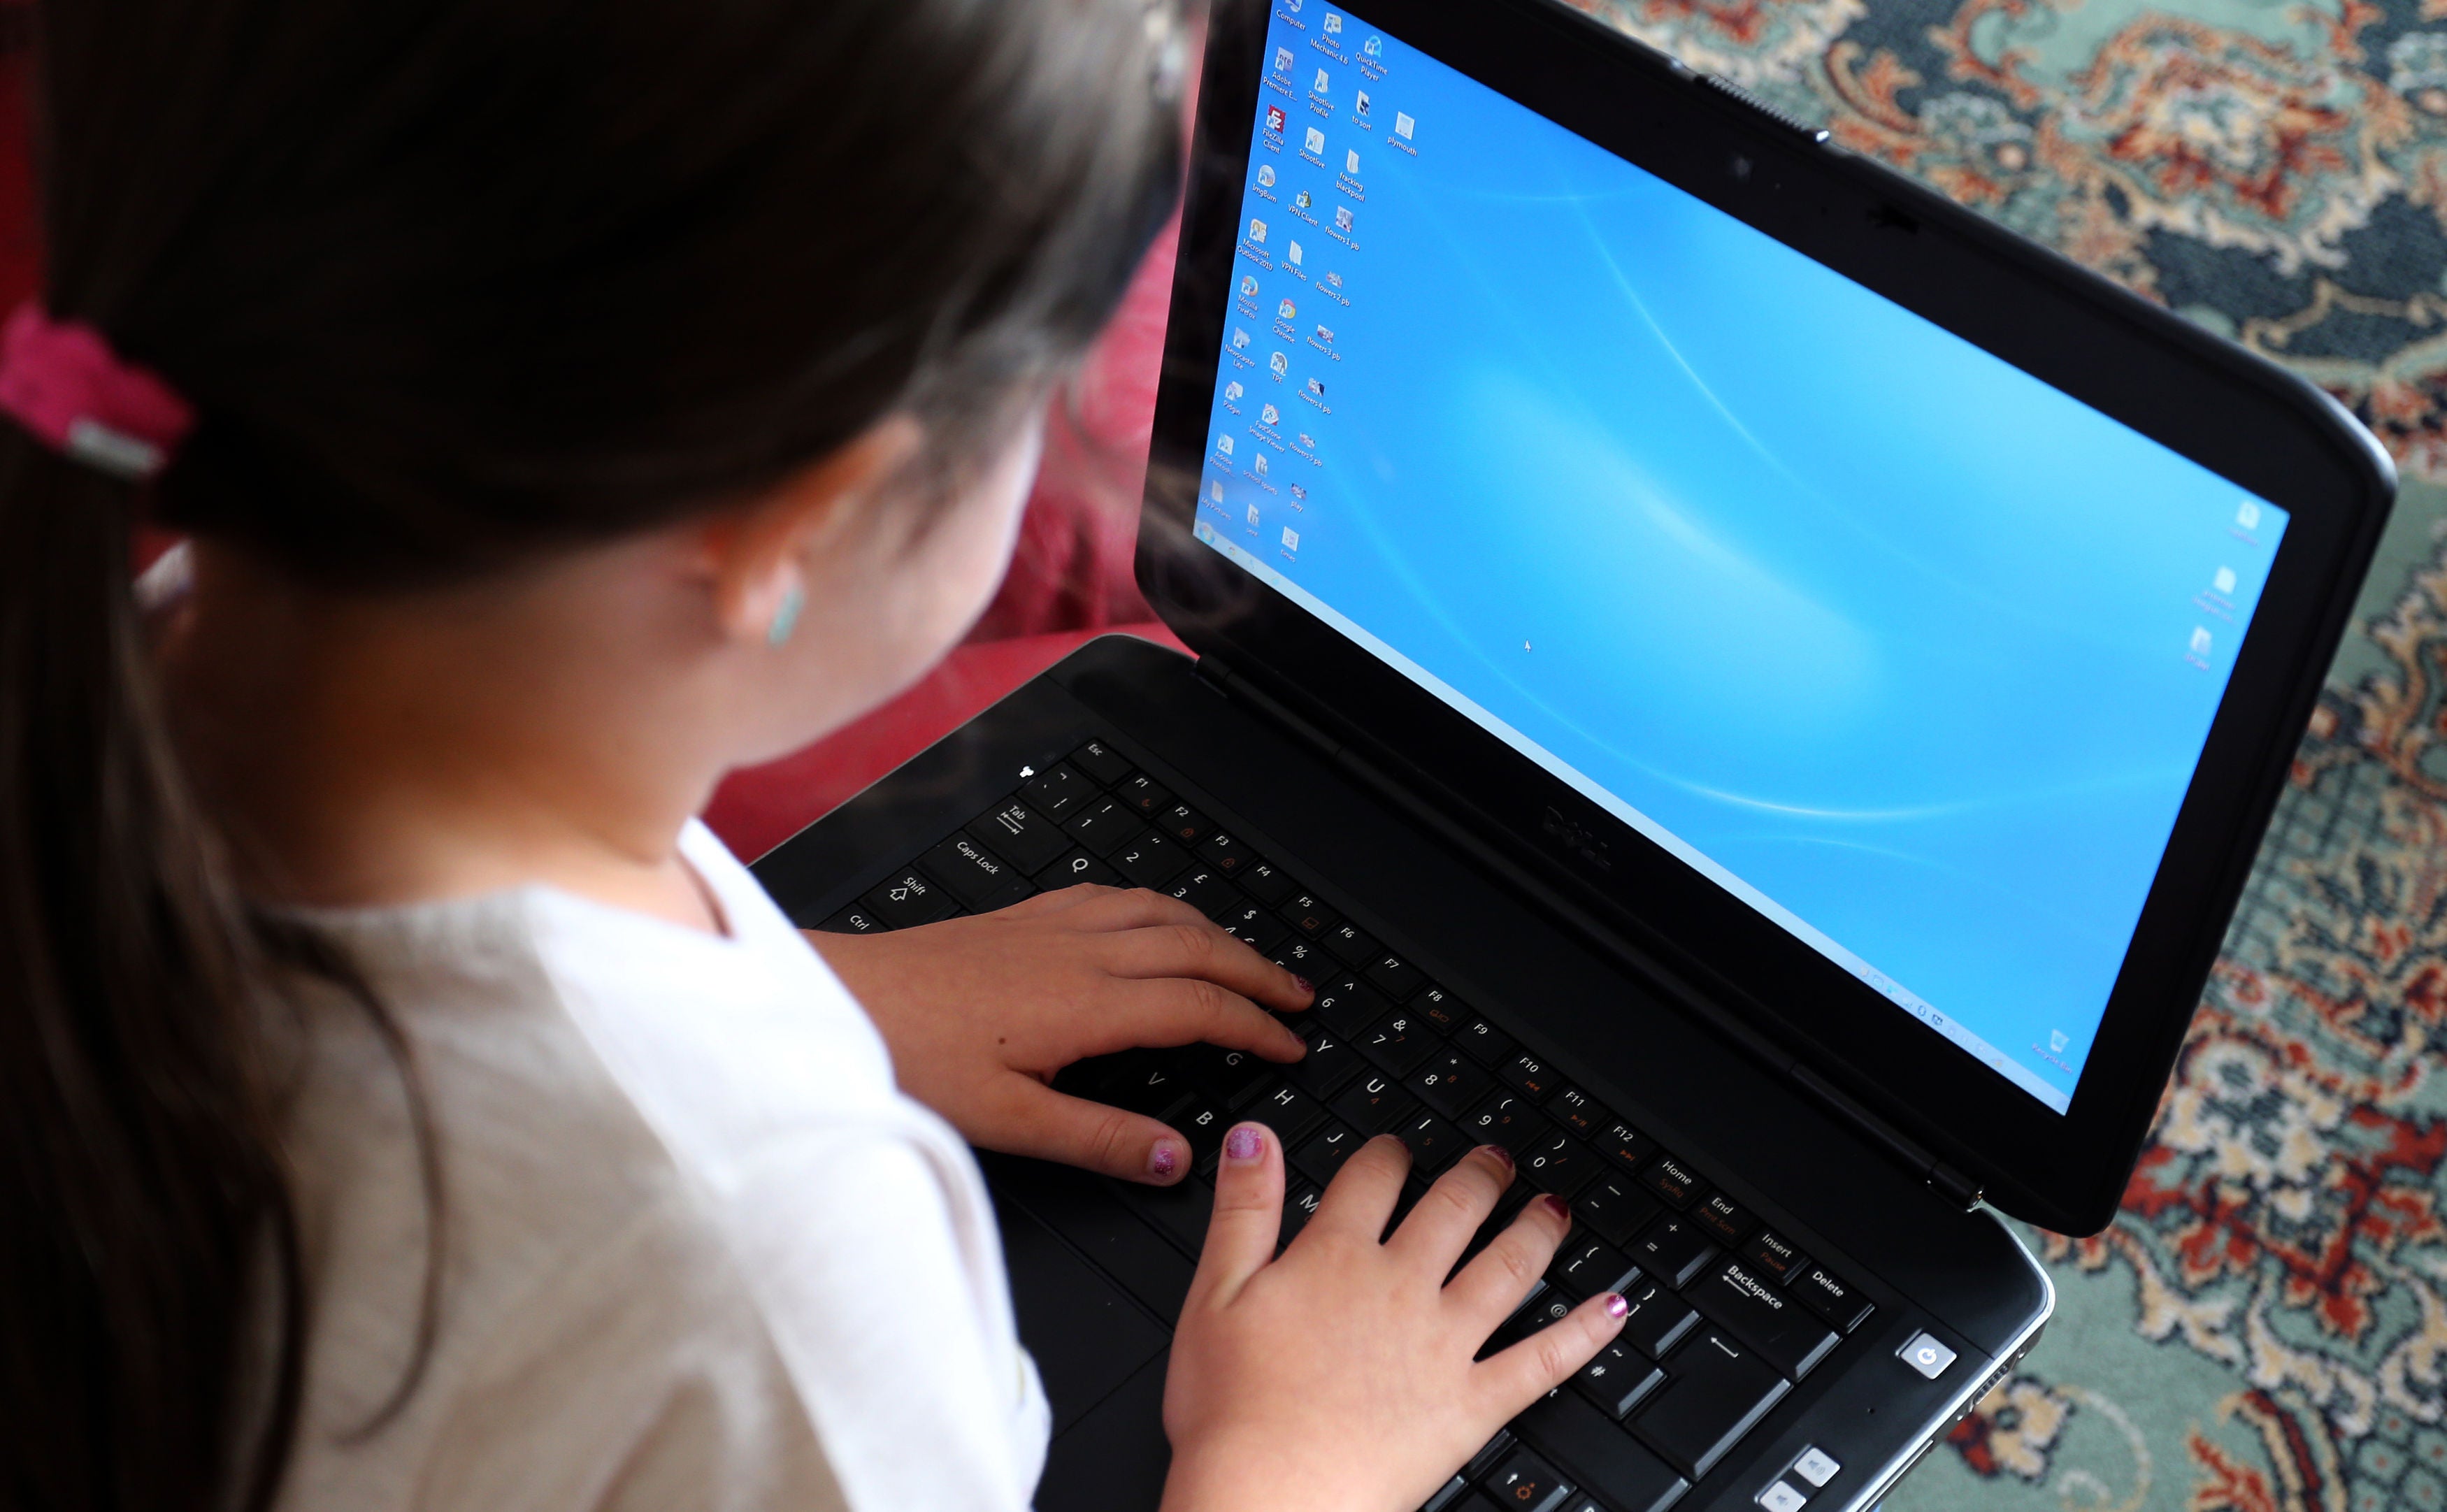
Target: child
pixel 407 1102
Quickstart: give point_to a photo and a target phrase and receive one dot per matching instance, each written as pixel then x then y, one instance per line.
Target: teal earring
pixel 786 617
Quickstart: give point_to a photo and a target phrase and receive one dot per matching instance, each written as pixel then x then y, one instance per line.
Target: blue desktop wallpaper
pixel 1913 651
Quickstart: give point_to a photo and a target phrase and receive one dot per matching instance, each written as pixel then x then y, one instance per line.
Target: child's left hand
pixel 980 1012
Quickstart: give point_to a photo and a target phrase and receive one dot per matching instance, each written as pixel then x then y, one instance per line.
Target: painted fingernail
pixel 1556 1205
pixel 1164 1159
pixel 1246 1142
pixel 1305 985
pixel 1503 1156
pixel 1615 1305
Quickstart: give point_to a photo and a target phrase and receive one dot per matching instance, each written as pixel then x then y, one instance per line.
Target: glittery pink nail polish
pixel 1615 1305
pixel 1164 1159
pixel 1245 1142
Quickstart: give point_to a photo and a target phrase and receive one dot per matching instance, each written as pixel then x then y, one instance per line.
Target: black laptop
pixel 1744 683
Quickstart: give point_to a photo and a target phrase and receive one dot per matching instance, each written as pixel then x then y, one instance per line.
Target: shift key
pixel 1786 1334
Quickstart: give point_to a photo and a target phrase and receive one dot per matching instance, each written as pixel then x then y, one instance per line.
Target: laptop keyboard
pixel 1726 1313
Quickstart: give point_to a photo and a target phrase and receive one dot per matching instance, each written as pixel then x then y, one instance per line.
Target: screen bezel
pixel 2231 412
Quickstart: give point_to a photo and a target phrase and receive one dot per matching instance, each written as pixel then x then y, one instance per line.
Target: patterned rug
pixel 2265 1326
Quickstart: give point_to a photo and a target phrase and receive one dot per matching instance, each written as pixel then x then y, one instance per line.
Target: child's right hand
pixel 1340 1376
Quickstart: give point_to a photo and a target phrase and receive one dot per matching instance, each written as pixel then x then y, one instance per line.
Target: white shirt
pixel 701 1250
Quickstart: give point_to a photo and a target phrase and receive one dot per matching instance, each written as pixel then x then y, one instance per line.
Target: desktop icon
pixel 1314 141
pixel 1279 365
pixel 1402 124
pixel 1292 253
pixel 1275 119
pixel 1232 391
pixel 1291 539
pixel 1282 60
pixel 1323 84
pixel 1258 463
pixel 1372 47
pixel 1316 386
pixel 1298 492
pixel 1224 445
pixel 1240 339
pixel 1253 517
pixel 1325 337
pixel 2058 1040
pixel 2223 581
pixel 1249 286
pixel 1266 176
pixel 1359 106
pixel 1293 7
pixel 2200 640
pixel 1334 278
pixel 2247 516
pixel 1257 232
pixel 1351 163
pixel 1333 25
pixel 1269 415
pixel 1302 199
pixel 1342 220
pixel 1215 491
pixel 1287 310
pixel 1306 444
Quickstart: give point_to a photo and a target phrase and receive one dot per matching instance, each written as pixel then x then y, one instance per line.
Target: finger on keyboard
pixel 1199 949
pixel 1362 1194
pixel 1248 1216
pixel 1440 1226
pixel 1492 1285
pixel 1515 1377
pixel 1188 1010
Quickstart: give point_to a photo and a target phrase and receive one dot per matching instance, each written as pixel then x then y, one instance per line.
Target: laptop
pixel 1743 682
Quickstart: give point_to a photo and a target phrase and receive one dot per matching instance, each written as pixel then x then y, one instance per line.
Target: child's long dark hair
pixel 452 284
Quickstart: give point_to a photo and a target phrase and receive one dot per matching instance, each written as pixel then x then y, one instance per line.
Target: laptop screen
pixel 1910 652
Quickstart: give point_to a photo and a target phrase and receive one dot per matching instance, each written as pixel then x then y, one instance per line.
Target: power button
pixel 1926 1354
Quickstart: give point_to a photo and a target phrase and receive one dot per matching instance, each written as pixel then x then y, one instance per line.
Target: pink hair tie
pixel 62 382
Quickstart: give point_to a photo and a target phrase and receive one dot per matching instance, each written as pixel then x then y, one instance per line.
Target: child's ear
pixel 754 557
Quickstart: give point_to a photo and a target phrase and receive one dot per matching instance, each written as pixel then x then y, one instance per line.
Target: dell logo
pixel 1579 837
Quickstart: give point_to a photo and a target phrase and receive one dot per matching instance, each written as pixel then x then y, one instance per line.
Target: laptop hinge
pixel 1948 1183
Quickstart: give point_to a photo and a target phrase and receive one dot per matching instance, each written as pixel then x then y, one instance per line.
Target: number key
pixel 1447 1082
pixel 1559 1165
pixel 1397 1043
pixel 1149 860
pixel 1505 1120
